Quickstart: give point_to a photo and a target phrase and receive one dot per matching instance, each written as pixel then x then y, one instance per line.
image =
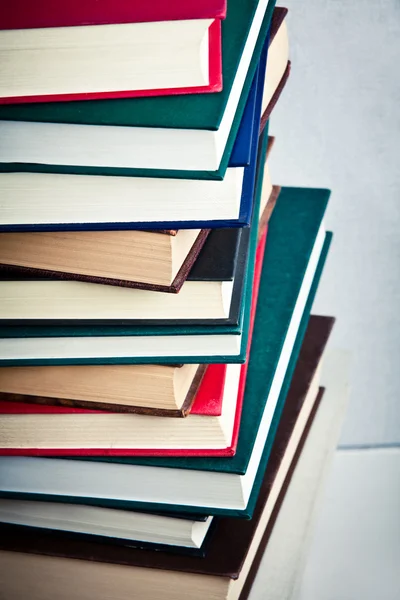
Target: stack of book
pixel 159 369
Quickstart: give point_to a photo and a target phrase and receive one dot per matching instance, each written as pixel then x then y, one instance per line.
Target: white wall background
pixel 338 125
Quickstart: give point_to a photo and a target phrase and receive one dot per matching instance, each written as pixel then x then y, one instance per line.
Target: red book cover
pixel 31 14
pixel 208 402
pixel 214 85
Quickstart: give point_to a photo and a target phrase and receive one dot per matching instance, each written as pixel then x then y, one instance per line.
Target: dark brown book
pixel 158 387
pixel 231 549
pixel 148 260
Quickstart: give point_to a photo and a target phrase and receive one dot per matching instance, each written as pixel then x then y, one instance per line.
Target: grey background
pixel 337 126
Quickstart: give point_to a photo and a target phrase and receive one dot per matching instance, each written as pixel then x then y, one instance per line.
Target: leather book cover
pixel 206 383
pixel 231 538
pixel 17 272
pixel 25 14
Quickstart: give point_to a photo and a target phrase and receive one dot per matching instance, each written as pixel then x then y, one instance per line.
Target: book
pixel 20 14
pixel 242 537
pixel 212 485
pixel 121 60
pixel 297 216
pixel 145 259
pixel 175 136
pixel 204 432
pixel 164 390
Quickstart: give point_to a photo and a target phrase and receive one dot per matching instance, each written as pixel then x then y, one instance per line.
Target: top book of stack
pixel 109 49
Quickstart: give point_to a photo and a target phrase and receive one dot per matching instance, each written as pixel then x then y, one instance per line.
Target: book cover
pixel 214 81
pixel 23 14
pixel 204 397
pixel 24 272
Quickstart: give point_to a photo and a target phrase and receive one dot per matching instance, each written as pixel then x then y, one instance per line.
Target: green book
pixel 187 136
pixel 295 253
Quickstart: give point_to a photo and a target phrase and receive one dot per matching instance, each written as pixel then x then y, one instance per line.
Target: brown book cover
pixel 88 404
pixel 15 272
pixel 230 541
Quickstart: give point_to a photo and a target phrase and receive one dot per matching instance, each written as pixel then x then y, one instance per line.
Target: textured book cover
pixel 24 14
pixel 20 272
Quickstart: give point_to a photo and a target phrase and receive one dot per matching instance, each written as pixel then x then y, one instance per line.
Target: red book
pixel 109 49
pixel 208 403
pixel 29 14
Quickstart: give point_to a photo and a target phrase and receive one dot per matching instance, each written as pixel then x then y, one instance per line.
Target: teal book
pixel 128 344
pixel 290 277
pixel 187 136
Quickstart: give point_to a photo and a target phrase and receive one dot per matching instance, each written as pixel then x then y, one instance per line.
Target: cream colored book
pixel 160 389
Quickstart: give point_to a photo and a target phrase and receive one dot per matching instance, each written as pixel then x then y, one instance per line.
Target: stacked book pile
pixel 159 369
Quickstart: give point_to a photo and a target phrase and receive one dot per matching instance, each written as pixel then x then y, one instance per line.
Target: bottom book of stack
pixel 69 550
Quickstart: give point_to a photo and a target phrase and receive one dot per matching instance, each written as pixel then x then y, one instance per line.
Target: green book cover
pixel 196 111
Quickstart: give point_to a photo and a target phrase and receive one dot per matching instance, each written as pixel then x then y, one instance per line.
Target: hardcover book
pixel 22 14
pixel 125 60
